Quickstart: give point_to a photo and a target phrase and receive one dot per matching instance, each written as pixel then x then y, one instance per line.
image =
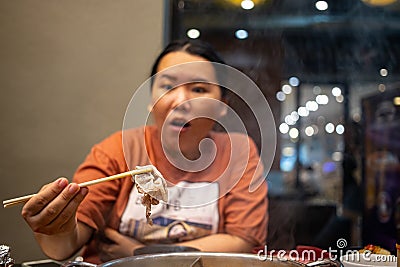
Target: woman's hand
pixel 52 210
pixel 51 214
pixel 120 246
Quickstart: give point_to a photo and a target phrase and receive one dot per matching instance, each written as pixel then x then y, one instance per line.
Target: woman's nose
pixel 181 98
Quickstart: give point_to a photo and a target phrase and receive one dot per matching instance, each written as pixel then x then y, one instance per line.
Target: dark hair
pixel 193 47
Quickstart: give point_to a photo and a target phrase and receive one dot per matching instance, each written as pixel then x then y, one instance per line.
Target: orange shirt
pixel 241 213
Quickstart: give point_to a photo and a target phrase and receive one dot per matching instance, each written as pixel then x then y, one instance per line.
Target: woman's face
pixel 186 100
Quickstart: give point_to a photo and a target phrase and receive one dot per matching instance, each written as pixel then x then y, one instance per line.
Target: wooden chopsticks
pixel 15 201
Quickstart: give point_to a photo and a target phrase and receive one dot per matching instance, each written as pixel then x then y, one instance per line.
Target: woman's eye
pixel 166 86
pixel 198 89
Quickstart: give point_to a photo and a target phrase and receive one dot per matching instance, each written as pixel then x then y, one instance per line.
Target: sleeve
pixel 245 212
pixel 101 162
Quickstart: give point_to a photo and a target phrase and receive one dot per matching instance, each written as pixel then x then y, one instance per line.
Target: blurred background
pixel 68 70
pixel 329 70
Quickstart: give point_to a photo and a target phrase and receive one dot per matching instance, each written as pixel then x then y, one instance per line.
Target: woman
pixel 218 212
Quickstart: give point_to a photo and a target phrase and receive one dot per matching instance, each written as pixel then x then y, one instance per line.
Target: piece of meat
pixel 147 201
pixel 153 187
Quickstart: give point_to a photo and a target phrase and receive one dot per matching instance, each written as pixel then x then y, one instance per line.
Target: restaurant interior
pixel 330 73
pixel 329 69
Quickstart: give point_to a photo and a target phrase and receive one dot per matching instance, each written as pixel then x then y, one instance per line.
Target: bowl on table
pixel 157 249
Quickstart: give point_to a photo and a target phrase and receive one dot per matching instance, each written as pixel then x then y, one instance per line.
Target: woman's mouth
pixel 180 125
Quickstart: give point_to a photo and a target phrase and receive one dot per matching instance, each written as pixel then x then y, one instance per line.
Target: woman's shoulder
pixel 115 141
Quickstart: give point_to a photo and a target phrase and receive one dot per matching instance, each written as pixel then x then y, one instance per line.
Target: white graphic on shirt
pixel 173 222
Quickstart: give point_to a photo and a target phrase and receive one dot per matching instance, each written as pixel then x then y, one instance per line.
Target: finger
pixel 112 234
pixel 45 186
pixel 45 195
pixel 55 207
pixel 101 253
pixel 105 251
pixel 65 221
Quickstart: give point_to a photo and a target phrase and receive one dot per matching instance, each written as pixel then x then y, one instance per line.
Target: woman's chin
pixel 182 153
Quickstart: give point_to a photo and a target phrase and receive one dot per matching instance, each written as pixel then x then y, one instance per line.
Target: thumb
pixel 112 234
